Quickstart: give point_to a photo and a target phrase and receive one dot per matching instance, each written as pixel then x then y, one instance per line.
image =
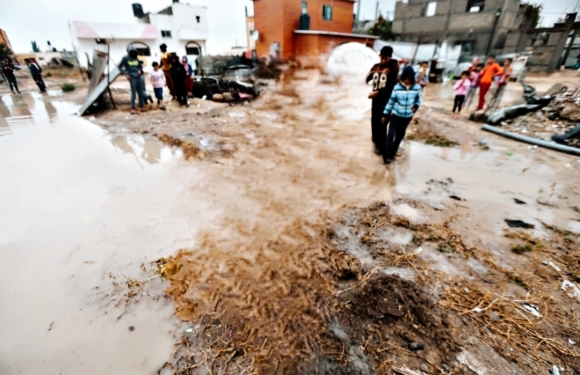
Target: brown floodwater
pixel 78 203
pixel 75 205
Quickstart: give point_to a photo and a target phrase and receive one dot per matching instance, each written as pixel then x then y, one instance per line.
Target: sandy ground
pixel 277 202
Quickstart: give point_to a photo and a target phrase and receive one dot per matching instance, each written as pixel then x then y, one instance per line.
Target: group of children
pixel 394 104
pixel 481 76
pixel 396 101
pixel 173 73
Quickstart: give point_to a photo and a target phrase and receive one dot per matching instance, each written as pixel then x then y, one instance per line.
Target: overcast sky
pixel 42 20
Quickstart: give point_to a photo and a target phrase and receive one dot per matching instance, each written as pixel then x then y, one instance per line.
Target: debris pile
pixel 558 121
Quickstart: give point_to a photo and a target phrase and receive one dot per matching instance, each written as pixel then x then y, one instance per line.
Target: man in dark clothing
pixel 8 71
pixel 132 68
pixel 36 73
pixel 178 75
pixel 384 78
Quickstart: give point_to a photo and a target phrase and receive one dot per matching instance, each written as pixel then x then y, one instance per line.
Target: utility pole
pixel 497 16
pixel 358 10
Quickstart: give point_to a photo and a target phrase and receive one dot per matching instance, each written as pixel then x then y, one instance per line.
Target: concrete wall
pixel 118 49
pixel 452 21
pixel 312 50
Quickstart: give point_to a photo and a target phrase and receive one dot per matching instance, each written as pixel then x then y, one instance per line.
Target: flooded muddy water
pixel 75 205
pixel 79 203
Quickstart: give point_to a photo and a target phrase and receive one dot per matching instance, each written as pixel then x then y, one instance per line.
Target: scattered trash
pixel 533 147
pixel 510 153
pixel 555 370
pixel 554 266
pixel 455 197
pixel 415 346
pixel 519 224
pixel 131 328
pixel 572 289
pixel 189 330
pixel 518 201
pixel 406 371
pixel 532 309
pixel 571 342
pixel 483 142
pixel 568 165
pixel 571 134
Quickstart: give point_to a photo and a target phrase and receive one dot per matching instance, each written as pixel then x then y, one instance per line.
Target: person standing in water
pixel 8 71
pixel 36 73
pixel 384 78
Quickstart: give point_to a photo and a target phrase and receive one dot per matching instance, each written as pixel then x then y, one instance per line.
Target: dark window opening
pixel 198 18
pixel 142 48
pixel 474 6
pixel 192 49
pixel 327 12
pixel 165 34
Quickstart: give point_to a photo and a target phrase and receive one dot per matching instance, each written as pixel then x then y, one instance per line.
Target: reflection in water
pixel 72 210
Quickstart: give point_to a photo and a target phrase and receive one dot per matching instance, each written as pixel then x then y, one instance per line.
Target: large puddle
pixel 75 205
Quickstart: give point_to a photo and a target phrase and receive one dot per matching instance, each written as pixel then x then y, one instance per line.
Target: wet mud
pixel 301 252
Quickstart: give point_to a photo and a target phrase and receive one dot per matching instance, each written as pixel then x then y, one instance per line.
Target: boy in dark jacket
pixel 8 71
pixel 384 77
pixel 404 102
pixel 132 68
pixel 36 73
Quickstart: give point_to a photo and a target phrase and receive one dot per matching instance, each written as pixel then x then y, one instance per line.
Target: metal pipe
pixel 358 11
pixel 533 141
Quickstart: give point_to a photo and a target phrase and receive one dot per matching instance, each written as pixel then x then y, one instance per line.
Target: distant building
pixel 479 26
pixel 4 39
pixel 41 58
pixel 188 30
pixel 304 30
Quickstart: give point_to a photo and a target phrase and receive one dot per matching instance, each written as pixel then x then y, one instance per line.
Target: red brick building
pixel 331 24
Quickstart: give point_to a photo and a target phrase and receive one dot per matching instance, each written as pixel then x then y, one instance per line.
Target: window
pixel 475 6
pixel 165 34
pixel 327 12
pixel 141 48
pixel 431 8
pixel 198 18
pixel 192 49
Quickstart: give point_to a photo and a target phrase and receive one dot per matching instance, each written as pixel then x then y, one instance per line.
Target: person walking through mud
pixel 132 68
pixel 384 78
pixel 502 82
pixel 36 73
pixel 166 67
pixel 8 71
pixel 490 71
pixel 461 88
pixel 178 75
pixel 404 102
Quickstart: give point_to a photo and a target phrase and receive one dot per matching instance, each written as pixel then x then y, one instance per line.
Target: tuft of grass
pixel 520 249
pixel 67 87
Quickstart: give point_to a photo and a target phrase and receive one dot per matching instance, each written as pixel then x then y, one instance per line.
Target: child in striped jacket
pixel 404 102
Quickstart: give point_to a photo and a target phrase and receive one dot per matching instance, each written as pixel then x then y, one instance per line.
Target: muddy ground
pixel 319 259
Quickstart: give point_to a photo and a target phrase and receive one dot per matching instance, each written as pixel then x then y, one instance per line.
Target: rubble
pixel 557 121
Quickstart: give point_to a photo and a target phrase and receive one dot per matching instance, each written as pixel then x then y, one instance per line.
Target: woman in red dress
pixel 189 71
